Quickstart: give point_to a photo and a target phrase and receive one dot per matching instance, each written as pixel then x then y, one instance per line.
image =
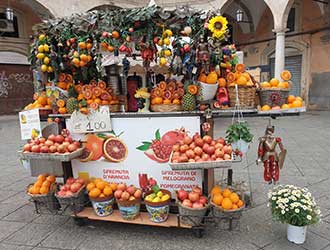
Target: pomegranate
pixel 52 137
pixel 121 186
pixel 173 137
pixel 190 154
pixel 219 159
pixel 118 194
pixel 44 149
pixel 207 139
pixel 197 205
pixel 27 148
pixel 206 147
pixel 205 157
pixel 72 147
pixel 35 149
pixel 196 135
pixel 68 193
pixel 199 142
pixel 66 144
pixel 70 181
pixel 219 153
pixel 77 143
pixel 187 140
pixel 75 187
pixel 36 141
pixel 193 196
pixel 68 139
pixel 125 196
pixel 182 194
pixel 49 143
pixel 81 181
pixel 59 138
pixel 183 158
pixel 63 188
pixel 203 200
pixel 226 157
pixel 184 148
pixel 42 140
pixel 197 190
pixel 210 150
pixel 61 193
pixel 131 190
pixel 191 160
pixel 221 141
pixel 218 145
pixel 138 194
pixel 192 145
pixel 213 143
pixel 176 154
pixel 61 148
pixel 186 203
pixel 227 149
pixel 198 151
pixel 213 157
pixel 197 158
pixel 161 150
pixel 151 155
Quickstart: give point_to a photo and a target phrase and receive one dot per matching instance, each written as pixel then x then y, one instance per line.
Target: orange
pixel 286 85
pixel 47 106
pixel 282 85
pixel 62 110
pixel 222 82
pixel 216 190
pixel 241 80
pixel 82 63
pixel 285 106
pixel 234 206
pixel 82 45
pixel 115 34
pixel 217 199
pixel 202 77
pixel 234 198
pixel 51 178
pixel 90 186
pixel 105 102
pixel 107 191
pixel 62 85
pixel 36 189
pixel 247 76
pixel 227 204
pixel 286 75
pixel 89 101
pixel 167 101
pixel 265 108
pixel 158 100
pixel 113 186
pixel 176 101
pixel 41 177
pixel 212 78
pixel 297 104
pixel 94 193
pixel 44 190
pixel 101 185
pixel 60 103
pixel 80 97
pixel 226 193
pixel 101 196
pixel 274 82
pixel 291 98
pixel 111 48
pixel 98 100
pixel 42 100
pixel 299 98
pixel 46 184
pixel 38 183
pixel 97 180
pixel 153 102
pixel 240 203
pixel 265 85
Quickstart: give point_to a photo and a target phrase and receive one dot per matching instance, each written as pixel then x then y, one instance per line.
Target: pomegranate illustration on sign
pixel 160 148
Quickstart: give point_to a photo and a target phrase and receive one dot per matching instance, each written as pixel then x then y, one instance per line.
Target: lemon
pixel 46 48
pixel 167 52
pixel 160 42
pixel 41 37
pixel 40 55
pixel 44 68
pixel 160 194
pixel 168 33
pixel 157 199
pixel 41 48
pixel 162 61
pixel 46 60
pixel 165 197
pixel 167 41
pixel 50 69
pixel 76 54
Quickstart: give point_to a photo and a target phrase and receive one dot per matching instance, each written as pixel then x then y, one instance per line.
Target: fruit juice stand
pixel 123 111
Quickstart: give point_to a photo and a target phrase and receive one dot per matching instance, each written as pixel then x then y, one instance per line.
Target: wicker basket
pixel 166 107
pixel 48 201
pixel 76 202
pixel 273 97
pixel 220 212
pixel 129 210
pixel 246 96
pixel 191 216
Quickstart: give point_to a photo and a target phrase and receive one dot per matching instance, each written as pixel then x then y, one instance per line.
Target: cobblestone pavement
pixel 306 137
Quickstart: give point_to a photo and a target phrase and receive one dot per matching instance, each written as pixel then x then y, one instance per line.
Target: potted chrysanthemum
pixel 296 207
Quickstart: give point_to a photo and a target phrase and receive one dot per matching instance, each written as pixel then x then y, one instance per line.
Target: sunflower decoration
pixel 218 26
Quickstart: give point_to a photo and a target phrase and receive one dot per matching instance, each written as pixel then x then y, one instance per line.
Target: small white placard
pixel 29 121
pixel 96 121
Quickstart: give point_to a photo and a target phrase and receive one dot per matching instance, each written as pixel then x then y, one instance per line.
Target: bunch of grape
pixel 160 149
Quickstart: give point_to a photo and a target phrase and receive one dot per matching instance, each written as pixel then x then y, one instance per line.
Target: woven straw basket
pixel 246 96
pixel 166 107
pixel 273 97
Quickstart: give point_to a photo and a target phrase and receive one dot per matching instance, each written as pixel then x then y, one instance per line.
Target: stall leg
pixel 230 177
pixel 67 170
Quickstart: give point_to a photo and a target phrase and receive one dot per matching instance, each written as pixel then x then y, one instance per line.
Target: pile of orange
pixel 99 188
pixel 274 83
pixel 40 101
pixel 239 77
pixel 226 199
pixel 292 102
pixel 64 81
pixel 42 185
pixel 167 93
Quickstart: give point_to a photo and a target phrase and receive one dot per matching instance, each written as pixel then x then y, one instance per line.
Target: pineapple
pixel 72 104
pixel 189 102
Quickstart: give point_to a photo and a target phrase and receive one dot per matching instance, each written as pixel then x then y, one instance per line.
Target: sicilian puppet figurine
pixel 203 54
pixel 267 154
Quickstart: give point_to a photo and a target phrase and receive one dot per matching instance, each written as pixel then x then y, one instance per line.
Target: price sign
pixel 96 121
pixel 29 121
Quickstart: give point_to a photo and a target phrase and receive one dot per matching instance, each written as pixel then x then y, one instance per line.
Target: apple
pixel 203 200
pixel 193 196
pixel 131 189
pixel 197 190
pixel 186 203
pixel 197 204
pixel 182 194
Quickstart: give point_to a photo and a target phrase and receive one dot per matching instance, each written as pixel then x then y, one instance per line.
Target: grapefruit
pixel 115 150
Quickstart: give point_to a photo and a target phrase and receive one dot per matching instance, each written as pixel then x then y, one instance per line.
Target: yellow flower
pixel 218 26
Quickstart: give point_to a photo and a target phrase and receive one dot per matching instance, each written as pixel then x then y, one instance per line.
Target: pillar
pixel 279 52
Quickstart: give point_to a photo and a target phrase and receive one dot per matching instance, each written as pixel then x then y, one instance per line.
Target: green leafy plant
pixel 238 131
pixel 293 205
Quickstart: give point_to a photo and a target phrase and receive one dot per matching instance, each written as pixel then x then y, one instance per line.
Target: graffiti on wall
pixel 18 79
